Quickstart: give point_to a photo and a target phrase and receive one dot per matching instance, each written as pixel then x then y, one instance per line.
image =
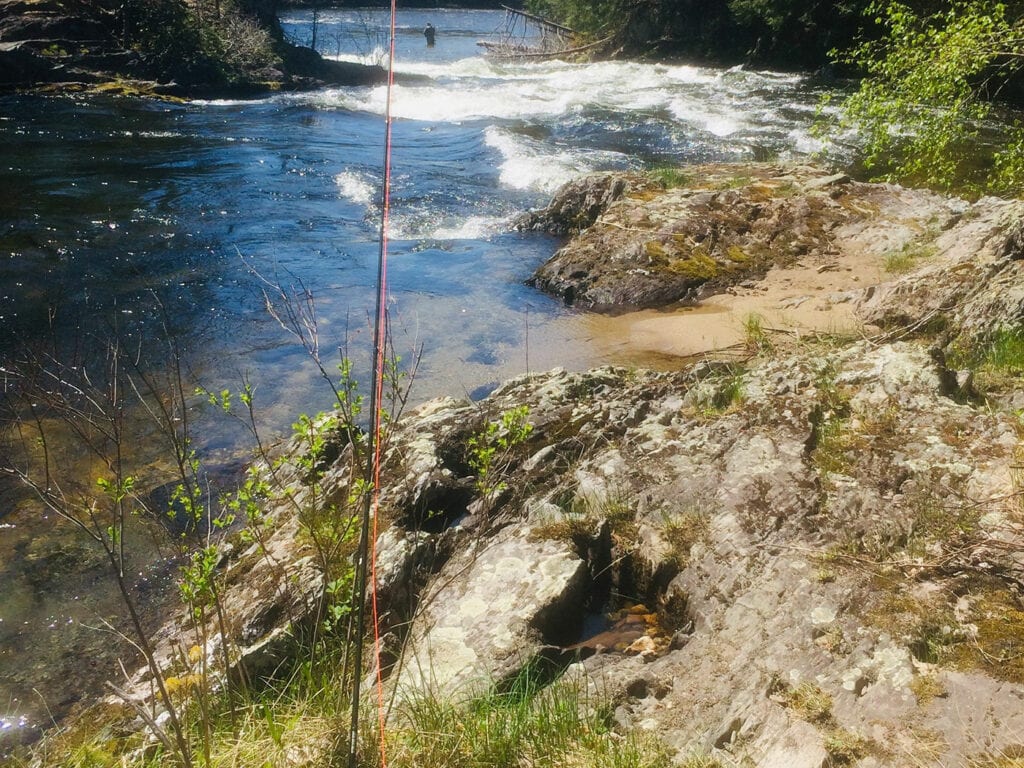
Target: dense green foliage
pixel 934 77
pixel 784 33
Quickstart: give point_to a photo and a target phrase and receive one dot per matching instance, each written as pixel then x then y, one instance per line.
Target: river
pixel 134 215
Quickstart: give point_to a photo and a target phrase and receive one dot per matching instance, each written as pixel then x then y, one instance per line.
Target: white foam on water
pixel 351 99
pixel 705 116
pixel 419 227
pixel 691 75
pixel 154 134
pixel 734 105
pixel 509 101
pixel 355 188
pixel 805 143
pixel 475 88
pixel 526 166
pixel 377 56
pixel 475 66
pixel 720 125
pixel 471 228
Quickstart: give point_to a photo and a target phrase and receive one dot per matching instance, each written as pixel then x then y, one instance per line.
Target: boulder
pixel 655 247
pixel 20 64
pixel 780 511
pixel 579 203
pixel 489 612
pixel 970 283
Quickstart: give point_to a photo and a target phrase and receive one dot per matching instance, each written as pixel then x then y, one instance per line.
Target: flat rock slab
pixel 490 610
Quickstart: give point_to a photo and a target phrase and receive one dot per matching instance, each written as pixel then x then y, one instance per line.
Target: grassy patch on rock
pixel 908 257
pixel 556 725
pixel 975 623
pixel 810 703
pixel 683 531
pixel 719 394
pixel 997 363
pixel 670 177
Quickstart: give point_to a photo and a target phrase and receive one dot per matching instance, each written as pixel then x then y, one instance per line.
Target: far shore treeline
pixel 787 34
pixel 483 4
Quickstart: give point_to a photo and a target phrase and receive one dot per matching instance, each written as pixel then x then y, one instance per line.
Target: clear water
pixel 108 205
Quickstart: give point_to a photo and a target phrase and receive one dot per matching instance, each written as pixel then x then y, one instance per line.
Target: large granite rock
pixel 970 283
pixel 490 611
pixel 645 247
pixel 812 533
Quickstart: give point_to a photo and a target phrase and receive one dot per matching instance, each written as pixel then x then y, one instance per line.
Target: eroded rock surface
pixel 800 518
pixel 824 541
pixel 490 611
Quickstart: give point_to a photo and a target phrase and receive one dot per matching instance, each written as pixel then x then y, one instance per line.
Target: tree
pixel 797 32
pixel 778 33
pixel 933 78
pixel 590 17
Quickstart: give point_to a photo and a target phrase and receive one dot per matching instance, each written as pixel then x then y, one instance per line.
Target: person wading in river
pixel 430 33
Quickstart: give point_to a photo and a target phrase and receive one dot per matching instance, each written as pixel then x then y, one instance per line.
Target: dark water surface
pixel 119 216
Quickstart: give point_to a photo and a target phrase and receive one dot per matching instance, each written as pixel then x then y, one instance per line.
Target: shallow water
pixel 117 213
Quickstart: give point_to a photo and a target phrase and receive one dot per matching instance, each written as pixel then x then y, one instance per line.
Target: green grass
pixel 1005 353
pixel 683 531
pixel 997 363
pixel 906 258
pixel 721 393
pixel 756 338
pixel 810 703
pixel 304 721
pixel 555 726
pixel 671 177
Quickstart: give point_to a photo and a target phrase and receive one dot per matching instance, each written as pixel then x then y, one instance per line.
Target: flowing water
pixel 136 215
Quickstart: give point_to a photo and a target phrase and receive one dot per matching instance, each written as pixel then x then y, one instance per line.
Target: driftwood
pixel 509 52
pixel 531 38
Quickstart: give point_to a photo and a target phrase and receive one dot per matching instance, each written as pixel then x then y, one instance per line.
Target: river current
pixel 113 208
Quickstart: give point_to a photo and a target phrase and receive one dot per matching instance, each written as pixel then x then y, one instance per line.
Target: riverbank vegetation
pixel 302 720
pixel 161 47
pixel 935 79
pixel 214 42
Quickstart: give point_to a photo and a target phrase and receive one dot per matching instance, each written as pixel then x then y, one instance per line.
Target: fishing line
pixel 367 554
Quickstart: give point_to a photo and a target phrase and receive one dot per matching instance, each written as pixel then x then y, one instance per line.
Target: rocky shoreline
pixel 805 553
pixel 58 46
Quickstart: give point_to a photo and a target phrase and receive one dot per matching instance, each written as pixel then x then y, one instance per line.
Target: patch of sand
pixel 791 301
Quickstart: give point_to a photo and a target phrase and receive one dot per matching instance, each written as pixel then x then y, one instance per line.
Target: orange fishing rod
pixel 366 554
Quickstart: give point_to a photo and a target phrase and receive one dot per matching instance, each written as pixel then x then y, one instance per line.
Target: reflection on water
pixel 143 221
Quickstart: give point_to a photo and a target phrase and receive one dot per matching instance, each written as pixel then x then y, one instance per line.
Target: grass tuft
pixel 755 336
pixel 556 725
pixel 670 177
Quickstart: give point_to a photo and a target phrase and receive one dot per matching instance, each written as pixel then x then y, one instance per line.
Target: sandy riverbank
pixel 789 301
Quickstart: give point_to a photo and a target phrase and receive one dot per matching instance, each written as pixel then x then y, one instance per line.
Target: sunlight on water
pixel 356 188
